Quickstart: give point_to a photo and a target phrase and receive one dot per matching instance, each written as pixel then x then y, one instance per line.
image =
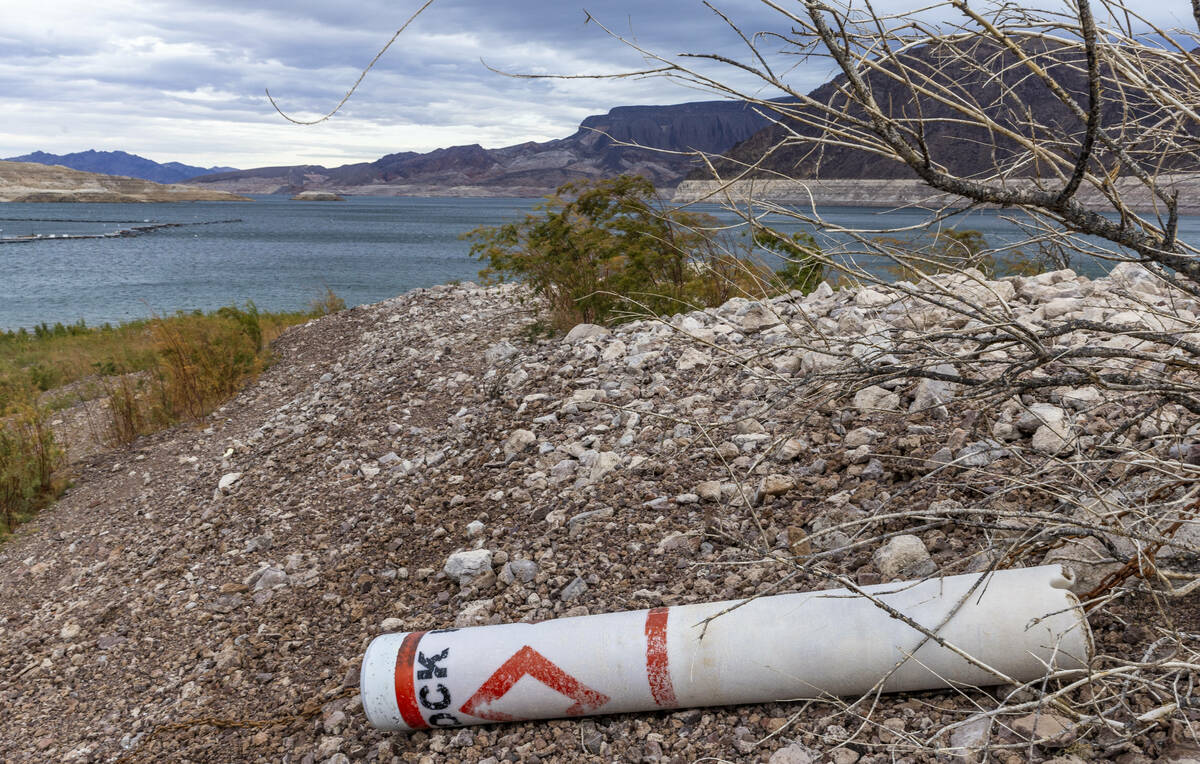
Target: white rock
pixel 875 398
pixel 1039 414
pixel 709 490
pixel 860 436
pixel 904 557
pixel 1061 306
pixel 225 484
pixel 869 299
pixel 1081 398
pixel 518 441
pixel 586 332
pixel 266 578
pixel 501 351
pixel 613 351
pixel 1050 440
pixel 690 358
pixel 758 318
pixel 790 449
pixel 523 570
pixel 606 462
pixel 474 613
pixel 794 754
pixel 787 364
pixel 465 566
pixel 573 590
pixel 813 361
pixel 776 485
pixel 932 395
pixel 972 735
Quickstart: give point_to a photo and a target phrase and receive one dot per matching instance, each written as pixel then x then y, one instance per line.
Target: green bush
pixel 942 251
pixel 605 250
pixel 801 269
pixel 950 250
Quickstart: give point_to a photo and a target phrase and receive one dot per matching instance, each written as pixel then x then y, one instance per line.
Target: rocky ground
pixel 234 571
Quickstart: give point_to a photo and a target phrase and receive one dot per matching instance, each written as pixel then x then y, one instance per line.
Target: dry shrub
pixel 201 360
pixel 326 304
pixel 29 459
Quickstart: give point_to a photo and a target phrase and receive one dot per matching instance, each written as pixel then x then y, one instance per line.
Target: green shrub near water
pixel 601 251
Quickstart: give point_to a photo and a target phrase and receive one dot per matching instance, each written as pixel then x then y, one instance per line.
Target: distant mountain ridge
pixel 120 163
pixel 605 145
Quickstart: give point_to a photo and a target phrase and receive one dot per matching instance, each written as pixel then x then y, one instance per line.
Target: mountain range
pixel 987 77
pixel 628 139
pixel 120 163
pixel 659 141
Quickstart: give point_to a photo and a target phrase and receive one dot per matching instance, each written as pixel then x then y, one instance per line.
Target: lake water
pixel 280 254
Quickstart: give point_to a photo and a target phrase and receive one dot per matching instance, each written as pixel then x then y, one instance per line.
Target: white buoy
pixel 1015 625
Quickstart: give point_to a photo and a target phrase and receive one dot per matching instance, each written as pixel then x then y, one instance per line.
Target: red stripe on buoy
pixel 406 696
pixel 658 673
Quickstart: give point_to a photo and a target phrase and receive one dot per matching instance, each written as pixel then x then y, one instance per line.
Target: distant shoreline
pixel 903 192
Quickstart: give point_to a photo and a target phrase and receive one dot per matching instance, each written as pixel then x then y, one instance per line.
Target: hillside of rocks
pixel 33 182
pixel 234 570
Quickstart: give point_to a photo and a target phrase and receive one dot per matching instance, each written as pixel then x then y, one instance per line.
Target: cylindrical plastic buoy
pixel 788 646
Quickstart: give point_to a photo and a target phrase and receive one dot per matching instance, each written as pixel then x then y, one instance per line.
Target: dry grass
pixel 151 373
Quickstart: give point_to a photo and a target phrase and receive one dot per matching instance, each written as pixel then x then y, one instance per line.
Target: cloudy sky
pixel 183 80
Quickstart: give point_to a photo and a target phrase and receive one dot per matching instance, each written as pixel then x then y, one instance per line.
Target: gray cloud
pixel 183 79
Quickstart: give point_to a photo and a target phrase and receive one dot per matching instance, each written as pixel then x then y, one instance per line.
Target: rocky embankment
pixel 31 182
pixel 904 192
pixel 317 196
pixel 236 571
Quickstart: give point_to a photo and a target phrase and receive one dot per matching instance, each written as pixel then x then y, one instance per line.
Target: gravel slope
pixel 148 595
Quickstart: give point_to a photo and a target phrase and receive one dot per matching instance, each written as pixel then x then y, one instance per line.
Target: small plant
pixel 29 458
pixel 326 304
pixel 126 412
pixel 943 251
pixel 801 269
pixel 203 360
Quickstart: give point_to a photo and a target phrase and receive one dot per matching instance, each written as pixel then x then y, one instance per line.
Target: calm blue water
pixel 282 254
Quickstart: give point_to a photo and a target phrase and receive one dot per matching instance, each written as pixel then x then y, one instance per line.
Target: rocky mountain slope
pixel 120 163
pixel 977 72
pixel 235 571
pixel 526 169
pixel 30 182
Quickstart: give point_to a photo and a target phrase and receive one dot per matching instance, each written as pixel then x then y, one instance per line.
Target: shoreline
pixel 899 193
